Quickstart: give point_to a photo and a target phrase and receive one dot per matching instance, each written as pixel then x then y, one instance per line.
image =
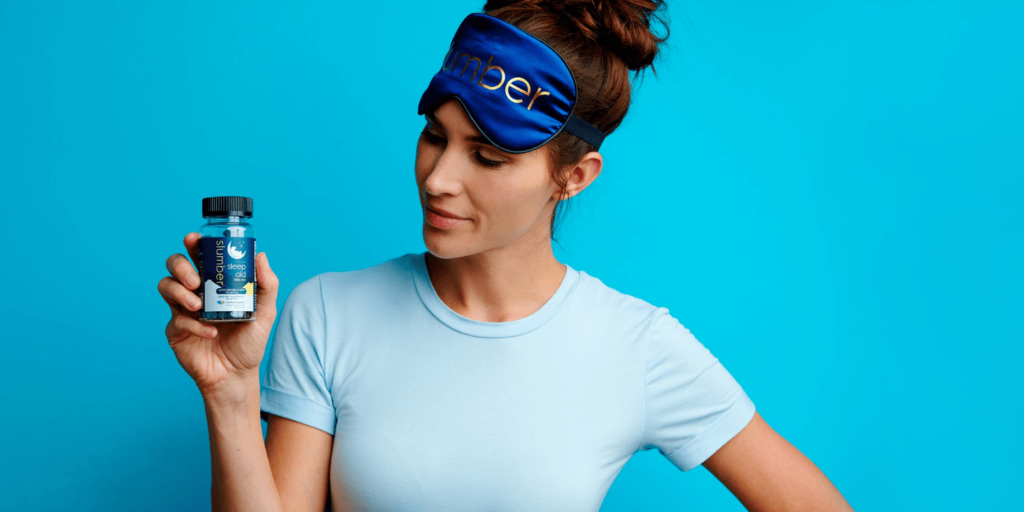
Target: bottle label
pixel 228 272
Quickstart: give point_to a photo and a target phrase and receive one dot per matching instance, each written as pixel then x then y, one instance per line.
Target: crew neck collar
pixel 447 316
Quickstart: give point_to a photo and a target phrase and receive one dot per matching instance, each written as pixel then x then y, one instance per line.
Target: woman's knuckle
pixel 170 260
pixel 181 322
pixel 181 266
pixel 171 287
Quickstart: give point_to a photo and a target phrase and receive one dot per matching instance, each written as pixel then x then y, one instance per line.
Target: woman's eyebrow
pixel 480 140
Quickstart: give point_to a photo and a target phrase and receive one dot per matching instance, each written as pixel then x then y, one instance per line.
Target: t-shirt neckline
pixel 440 310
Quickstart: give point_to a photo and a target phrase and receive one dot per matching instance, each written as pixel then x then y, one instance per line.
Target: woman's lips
pixel 440 221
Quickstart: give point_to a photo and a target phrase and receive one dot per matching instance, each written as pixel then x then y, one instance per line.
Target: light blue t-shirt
pixel 433 411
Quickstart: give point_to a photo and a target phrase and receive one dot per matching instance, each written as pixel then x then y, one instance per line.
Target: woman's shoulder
pixel 394 269
pixel 382 279
pixel 612 302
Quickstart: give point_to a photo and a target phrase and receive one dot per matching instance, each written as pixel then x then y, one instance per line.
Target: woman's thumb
pixel 267 287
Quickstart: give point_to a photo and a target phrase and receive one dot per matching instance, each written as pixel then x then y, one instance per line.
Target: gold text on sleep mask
pixel 450 67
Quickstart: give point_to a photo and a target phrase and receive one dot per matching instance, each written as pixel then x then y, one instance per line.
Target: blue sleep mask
pixel 515 88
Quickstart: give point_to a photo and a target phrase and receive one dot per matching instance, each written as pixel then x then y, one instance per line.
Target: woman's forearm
pixel 242 480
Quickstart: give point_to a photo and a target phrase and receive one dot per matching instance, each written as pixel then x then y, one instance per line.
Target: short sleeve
pixel 692 405
pixel 295 383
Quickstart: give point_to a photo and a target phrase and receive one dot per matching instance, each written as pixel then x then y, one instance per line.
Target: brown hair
pixel 602 41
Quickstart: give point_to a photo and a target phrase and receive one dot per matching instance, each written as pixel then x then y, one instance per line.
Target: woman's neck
pixel 497 285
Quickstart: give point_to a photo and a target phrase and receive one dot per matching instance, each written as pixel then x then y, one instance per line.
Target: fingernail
pixel 210 332
pixel 195 303
pixel 193 280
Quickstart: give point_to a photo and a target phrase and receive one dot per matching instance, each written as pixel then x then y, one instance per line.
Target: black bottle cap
pixel 225 206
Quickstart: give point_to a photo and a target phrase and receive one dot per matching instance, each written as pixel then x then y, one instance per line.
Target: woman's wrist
pixel 233 392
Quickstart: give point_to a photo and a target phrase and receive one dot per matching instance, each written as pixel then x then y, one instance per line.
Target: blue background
pixel 828 194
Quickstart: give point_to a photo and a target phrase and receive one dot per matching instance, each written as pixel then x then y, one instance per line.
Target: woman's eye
pixel 433 139
pixel 437 140
pixel 487 162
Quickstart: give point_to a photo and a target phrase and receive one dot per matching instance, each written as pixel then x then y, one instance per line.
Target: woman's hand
pixel 221 355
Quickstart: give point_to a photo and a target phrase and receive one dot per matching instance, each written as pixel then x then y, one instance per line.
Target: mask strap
pixel 584 130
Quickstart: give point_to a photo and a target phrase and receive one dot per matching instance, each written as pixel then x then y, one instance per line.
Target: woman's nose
pixel 445 176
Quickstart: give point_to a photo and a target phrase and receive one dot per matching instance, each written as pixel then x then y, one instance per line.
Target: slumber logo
pixel 234 253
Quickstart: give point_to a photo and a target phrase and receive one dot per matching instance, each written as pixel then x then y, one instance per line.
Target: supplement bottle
pixel 226 264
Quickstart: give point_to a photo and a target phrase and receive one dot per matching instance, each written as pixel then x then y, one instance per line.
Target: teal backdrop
pixel 827 193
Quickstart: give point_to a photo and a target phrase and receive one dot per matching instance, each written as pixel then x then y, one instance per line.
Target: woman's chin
pixel 442 243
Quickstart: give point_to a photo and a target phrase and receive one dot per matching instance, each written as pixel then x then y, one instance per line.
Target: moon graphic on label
pixel 234 252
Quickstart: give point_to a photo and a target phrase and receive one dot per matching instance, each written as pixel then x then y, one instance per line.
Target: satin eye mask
pixel 515 88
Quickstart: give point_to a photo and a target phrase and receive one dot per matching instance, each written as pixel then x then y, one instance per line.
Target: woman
pixel 482 374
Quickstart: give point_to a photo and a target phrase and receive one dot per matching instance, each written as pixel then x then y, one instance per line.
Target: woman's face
pixel 501 197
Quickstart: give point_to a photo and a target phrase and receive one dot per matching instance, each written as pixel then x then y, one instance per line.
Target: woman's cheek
pixel 423 167
pixel 512 216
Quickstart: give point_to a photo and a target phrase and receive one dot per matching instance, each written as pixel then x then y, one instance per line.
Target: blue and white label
pixel 228 271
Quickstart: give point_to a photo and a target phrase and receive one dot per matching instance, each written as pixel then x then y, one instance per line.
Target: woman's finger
pixel 191 242
pixel 173 290
pixel 181 324
pixel 179 267
pixel 176 308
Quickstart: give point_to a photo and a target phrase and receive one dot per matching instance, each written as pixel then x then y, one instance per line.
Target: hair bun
pixel 623 27
pixel 603 42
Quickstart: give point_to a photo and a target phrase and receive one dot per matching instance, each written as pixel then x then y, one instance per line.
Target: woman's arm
pixel 767 473
pixel 300 458
pixel 242 477
pixel 288 473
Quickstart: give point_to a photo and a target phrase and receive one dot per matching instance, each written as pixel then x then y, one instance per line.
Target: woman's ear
pixel 583 174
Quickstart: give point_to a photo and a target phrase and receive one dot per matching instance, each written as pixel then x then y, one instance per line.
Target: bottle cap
pixel 225 206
